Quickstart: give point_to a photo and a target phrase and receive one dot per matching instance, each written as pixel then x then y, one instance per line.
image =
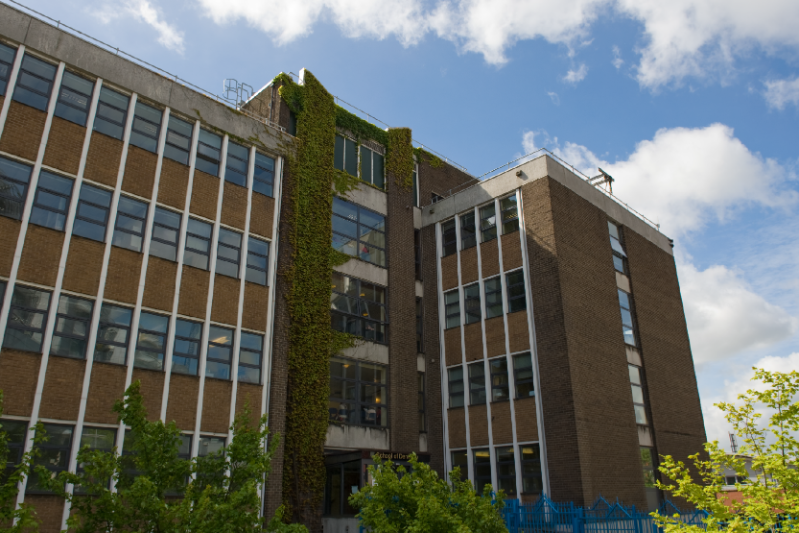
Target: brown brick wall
pixel 107 385
pixel 63 384
pixel 518 331
pixel 122 279
pixel 84 263
pixel 234 205
pixel 468 265
pixel 457 427
pixel 64 145
pixel 489 258
pixel 40 255
pixel 193 292
pixel 102 161
pixel 225 306
pixel 452 346
pixel 152 389
pixel 173 183
pixel 449 272
pixel 49 509
pixel 263 212
pixel 9 233
pixel 249 395
pixel 216 402
pixel 19 372
pixel 473 337
pixel 439 180
pixel 526 420
pixel 159 288
pixel 256 301
pixel 511 251
pixel 22 133
pixel 204 192
pixel 501 428
pixel 495 336
pixel 478 425
pixel 139 172
pixel 182 404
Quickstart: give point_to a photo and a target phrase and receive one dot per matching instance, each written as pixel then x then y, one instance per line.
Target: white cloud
pixel 781 92
pixel 554 97
pixel 576 76
pixel 144 11
pixel 617 60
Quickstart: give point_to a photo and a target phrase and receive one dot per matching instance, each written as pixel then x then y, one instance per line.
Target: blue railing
pixel 546 516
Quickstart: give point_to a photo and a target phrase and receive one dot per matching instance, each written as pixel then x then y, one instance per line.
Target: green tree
pixel 22 519
pixel 419 502
pixel 772 500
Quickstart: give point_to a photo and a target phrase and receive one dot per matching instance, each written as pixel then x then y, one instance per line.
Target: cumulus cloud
pixel 554 97
pixel 781 92
pixel 144 11
pixel 617 60
pixel 576 76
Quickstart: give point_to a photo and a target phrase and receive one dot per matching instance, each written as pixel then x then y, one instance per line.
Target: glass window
pixel 471 303
pixel 34 82
pixel 53 454
pixel 14 180
pixel 166 230
pixel 648 465
pixel 146 127
pixel 211 445
pixel 238 161
pixel 16 432
pixel 419 326
pixel 455 378
pixel 523 375
pixel 264 177
pixel 531 469
pixel 72 323
pixel 112 111
pixel 477 384
pixel 151 344
pixel 257 256
pixel 517 300
pixel 346 155
pixel 7 55
pixel 186 354
pixel 27 319
pixel 51 203
pixel 417 252
pixel 131 220
pixel 460 459
pixel 636 385
pixel 372 167
pixel 506 470
pixel 198 244
pixel 220 348
pixel 74 98
pixel 359 308
pixel 92 216
pixel 209 152
pixel 178 140
pixel 359 232
pixel 500 388
pixel 96 439
pixel 452 308
pixel 113 335
pixel 449 238
pixel 341 479
pixel 625 303
pixel 493 290
pixel 358 393
pixel 482 469
pixel 510 214
pixel 250 357
pixel 468 235
pixel 421 404
pixel 619 257
pixel 488 222
pixel 228 253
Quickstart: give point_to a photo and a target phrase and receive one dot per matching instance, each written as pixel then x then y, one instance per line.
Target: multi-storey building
pixel 527 328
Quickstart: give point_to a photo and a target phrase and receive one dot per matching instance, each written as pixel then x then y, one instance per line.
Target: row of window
pixel 509 213
pixel 359 308
pixel 27 321
pixel 55 450
pixel 358 393
pixel 368 165
pixel 35 84
pixel 505 457
pixel 51 205
pixel 359 232
pixel 498 381
pixel 472 308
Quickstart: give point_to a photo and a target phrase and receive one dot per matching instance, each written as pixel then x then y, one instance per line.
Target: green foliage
pixel 419 502
pixel 167 494
pixel 399 160
pixel 359 127
pixel 772 500
pixel 24 519
pixel 423 156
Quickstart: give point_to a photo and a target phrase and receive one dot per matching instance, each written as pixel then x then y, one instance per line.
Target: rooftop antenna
pixel 602 178
pixel 237 92
pixel 733 444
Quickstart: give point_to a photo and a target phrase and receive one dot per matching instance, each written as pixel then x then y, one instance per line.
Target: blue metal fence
pixel 546 516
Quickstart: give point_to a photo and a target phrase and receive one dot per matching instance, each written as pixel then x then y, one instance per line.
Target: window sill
pixel 262 194
pixel 519 311
pixel 350 424
pixel 525 397
pixel 506 400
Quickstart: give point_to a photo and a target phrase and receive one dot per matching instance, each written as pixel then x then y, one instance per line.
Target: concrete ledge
pixel 368 197
pixel 365 271
pixel 357 437
pixel 367 351
pixel 340 525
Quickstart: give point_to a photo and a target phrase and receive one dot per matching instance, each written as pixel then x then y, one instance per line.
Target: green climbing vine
pixel 359 128
pixel 399 160
pixel 423 156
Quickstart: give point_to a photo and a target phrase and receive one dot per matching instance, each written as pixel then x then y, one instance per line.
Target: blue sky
pixel 692 105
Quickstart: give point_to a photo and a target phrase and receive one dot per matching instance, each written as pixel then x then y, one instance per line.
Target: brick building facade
pixel 141 237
